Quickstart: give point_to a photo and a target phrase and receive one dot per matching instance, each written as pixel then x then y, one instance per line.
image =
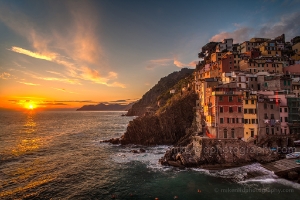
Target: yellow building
pixel 216 56
pixel 250 116
pixel 296 49
pixel 270 48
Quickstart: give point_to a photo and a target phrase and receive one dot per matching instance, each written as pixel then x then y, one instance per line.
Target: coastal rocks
pixel 138 151
pixel 217 153
pixel 112 141
pixel 166 127
pixel 178 157
pixel 293 175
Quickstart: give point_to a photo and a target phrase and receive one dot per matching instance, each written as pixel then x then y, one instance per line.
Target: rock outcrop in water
pixel 151 98
pixel 167 126
pixel 217 153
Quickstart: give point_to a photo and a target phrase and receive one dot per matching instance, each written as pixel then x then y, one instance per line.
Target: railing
pixel 251 97
pixel 227 93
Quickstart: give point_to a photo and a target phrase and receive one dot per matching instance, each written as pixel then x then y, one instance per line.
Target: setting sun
pixel 30 106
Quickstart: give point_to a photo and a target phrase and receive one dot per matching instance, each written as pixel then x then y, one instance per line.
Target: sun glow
pixel 30 106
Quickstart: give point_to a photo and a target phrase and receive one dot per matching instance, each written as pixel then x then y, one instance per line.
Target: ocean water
pixel 59 155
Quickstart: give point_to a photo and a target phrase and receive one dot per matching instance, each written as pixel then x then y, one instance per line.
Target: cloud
pixel 78 43
pixel 72 101
pixel 5 75
pixel 159 63
pixel 31 54
pixel 239 35
pixel 179 64
pixel 288 24
pixel 64 90
pixel 56 73
pixel 52 104
pixel 27 83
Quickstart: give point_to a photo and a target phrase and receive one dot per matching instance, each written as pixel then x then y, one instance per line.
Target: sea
pixel 59 155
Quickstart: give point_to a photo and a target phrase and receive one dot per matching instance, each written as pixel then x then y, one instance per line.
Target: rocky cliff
pixel 150 98
pixel 168 125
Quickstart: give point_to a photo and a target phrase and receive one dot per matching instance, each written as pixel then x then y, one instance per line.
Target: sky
pixel 66 54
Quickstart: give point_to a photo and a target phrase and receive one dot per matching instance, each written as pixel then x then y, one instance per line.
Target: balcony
pixel 219 93
pixel 250 97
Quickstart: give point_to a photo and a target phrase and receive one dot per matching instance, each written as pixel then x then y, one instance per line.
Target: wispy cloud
pixel 78 45
pixel 239 35
pixel 179 64
pixel 5 75
pixel 151 64
pixel 64 90
pixel 56 73
pixel 27 83
pixel 52 104
pixel 31 54
pixel 159 63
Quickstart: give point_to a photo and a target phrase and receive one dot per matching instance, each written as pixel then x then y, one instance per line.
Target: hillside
pixel 105 107
pixel 150 99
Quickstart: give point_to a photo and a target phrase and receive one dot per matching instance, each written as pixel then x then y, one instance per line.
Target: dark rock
pixel 299 179
pixel 293 175
pixel 134 151
pixel 142 150
pixel 166 127
pixel 176 164
pixel 112 141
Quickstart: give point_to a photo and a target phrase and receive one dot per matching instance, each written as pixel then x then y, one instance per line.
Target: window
pixel 246 121
pixel 267 130
pixel 220 98
pixel 245 110
pixel 232 133
pixel 221 109
pixel 272 116
pixel 225 133
pixel 271 106
pixel 221 120
pixel 246 101
pixel 233 120
pixel 266 116
pixel 239 109
pixel 239 99
pixel 237 120
pixel 280 110
pixel 272 129
pixel 230 109
pixel 285 119
pixel 253 121
pixel 252 133
pixel 265 106
pixel 285 109
pixel 252 101
pixel 250 111
pixel 280 119
pixel 266 84
pixel 230 98
pixel 228 120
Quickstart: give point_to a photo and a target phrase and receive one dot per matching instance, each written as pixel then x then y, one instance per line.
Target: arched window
pixel 225 133
pixel 232 133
